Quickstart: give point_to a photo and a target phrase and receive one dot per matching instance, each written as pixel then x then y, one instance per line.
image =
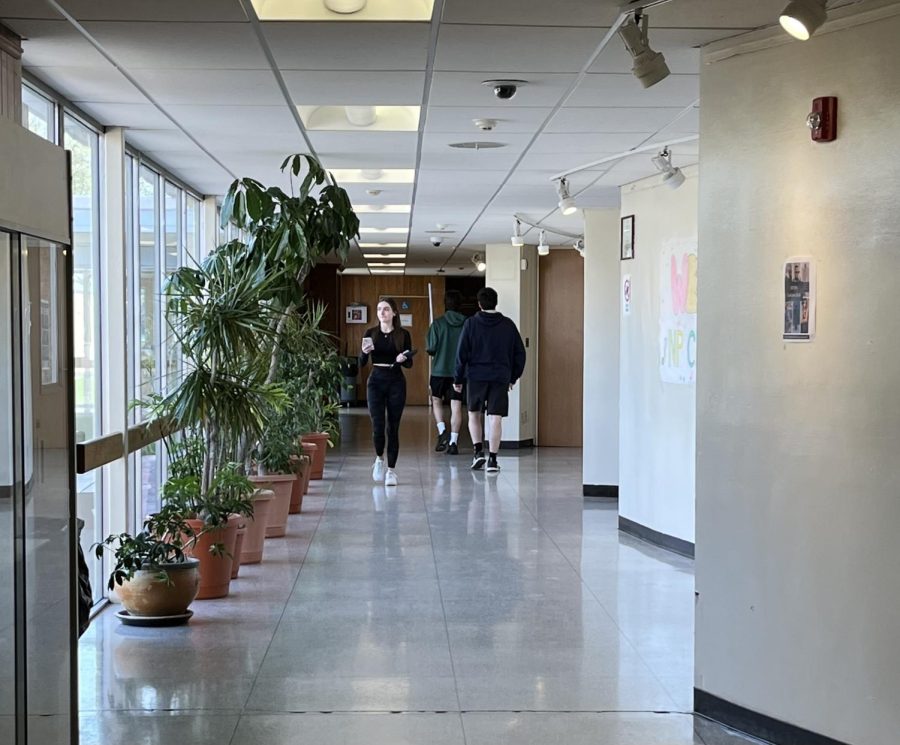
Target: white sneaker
pixel 378 470
pixel 391 478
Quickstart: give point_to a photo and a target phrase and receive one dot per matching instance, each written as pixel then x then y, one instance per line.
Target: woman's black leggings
pixel 386 393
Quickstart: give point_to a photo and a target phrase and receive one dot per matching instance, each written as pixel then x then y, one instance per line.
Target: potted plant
pixel 275 471
pixel 153 576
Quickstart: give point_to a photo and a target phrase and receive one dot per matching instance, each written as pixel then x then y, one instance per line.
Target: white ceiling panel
pixel 161 140
pixel 250 123
pixel 390 193
pixel 181 46
pixel 461 119
pixel 509 50
pixel 600 89
pixel 136 115
pixel 334 159
pixel 716 14
pixel 586 119
pixel 232 87
pixel 577 13
pixel 551 163
pixel 348 46
pixel 468 178
pixel 588 143
pixel 386 144
pixel 272 149
pixel 465 89
pixel 359 88
pixel 131 10
pixel 100 84
pixel 680 47
pixel 54 43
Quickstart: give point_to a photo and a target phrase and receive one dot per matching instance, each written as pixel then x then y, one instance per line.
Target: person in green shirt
pixel 441 344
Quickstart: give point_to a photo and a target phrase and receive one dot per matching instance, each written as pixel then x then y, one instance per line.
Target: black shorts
pixel 442 388
pixel 489 396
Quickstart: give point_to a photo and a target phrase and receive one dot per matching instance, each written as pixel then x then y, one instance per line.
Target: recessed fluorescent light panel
pixel 382 245
pixel 383 209
pixel 368 118
pixel 384 256
pixel 386 271
pixel 387 263
pixel 394 231
pixel 343 10
pixel 374 175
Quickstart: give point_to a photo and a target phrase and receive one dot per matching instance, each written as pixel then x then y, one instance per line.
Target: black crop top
pixel 385 352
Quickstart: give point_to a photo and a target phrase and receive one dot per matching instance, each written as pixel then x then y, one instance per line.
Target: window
pixel 38 113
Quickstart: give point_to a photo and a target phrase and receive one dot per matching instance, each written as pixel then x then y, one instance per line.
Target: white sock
pixel 454 438
pixel 441 427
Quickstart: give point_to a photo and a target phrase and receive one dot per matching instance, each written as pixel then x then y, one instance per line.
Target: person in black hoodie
pixel 490 360
pixel 390 347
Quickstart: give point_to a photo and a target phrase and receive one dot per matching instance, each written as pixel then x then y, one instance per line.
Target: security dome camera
pixel 436 241
pixel 504 89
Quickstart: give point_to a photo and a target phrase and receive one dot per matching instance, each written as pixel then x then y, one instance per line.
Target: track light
pixel 543 248
pixel 566 204
pixel 649 67
pixel 517 240
pixel 802 18
pixel 579 246
pixel 672 176
pixel 479 263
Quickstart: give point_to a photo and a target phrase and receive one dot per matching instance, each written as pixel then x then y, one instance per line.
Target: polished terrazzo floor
pixel 455 609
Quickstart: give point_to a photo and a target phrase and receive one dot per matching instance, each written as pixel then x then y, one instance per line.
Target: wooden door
pixel 560 349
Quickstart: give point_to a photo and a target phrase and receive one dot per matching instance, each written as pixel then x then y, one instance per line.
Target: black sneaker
pixel 478 461
pixel 442 441
pixel 453 449
pixel 493 466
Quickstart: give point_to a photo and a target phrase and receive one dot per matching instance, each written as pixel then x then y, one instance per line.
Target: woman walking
pixel 390 348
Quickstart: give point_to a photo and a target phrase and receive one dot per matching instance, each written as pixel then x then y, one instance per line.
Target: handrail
pixel 100 451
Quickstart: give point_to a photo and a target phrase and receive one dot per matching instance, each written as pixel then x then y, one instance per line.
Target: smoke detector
pixel 485 125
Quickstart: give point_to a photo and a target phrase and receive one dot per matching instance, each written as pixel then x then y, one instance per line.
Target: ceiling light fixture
pixel 479 263
pixel 672 177
pixel 543 248
pixel 345 6
pixel 566 204
pixel 802 18
pixel 396 231
pixel 387 263
pixel 398 209
pixel 649 67
pixel 387 271
pixel 382 245
pixel 370 175
pixel 517 240
pixel 361 116
pixel 384 256
pixel 579 246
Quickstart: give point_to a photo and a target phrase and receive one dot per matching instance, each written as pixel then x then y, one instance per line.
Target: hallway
pixel 460 608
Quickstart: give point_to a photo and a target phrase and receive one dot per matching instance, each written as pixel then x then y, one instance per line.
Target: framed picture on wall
pixel 357 314
pixel 626 246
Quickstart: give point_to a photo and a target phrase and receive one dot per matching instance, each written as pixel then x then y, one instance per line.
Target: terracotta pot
pixel 238 547
pixel 301 469
pixel 215 571
pixel 255 537
pixel 309 450
pixel 281 484
pixel 320 439
pixel 146 594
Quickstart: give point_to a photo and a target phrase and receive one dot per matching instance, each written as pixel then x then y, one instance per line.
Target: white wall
pixel 798 475
pixel 517 291
pixel 600 456
pixel 656 417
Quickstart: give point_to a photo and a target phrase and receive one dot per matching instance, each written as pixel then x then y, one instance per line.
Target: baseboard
pixel 663 540
pixel 755 724
pixel 516 444
pixel 600 491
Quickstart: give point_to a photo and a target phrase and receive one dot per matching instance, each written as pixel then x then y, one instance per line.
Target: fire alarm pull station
pixel 822 120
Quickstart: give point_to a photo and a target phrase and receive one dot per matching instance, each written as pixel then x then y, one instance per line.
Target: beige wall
pixel 798 566
pixel 656 413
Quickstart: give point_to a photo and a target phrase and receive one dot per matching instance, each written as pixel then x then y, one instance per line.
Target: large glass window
pixel 191 229
pixel 38 113
pixel 84 144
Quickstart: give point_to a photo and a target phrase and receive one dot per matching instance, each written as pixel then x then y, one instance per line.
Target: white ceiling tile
pixel 248 123
pixel 359 88
pixel 100 84
pixel 465 89
pixel 138 115
pixel 334 159
pixel 510 50
pixel 201 87
pixel 386 144
pixel 160 140
pixel 131 10
pixel 577 13
pixel 271 148
pixel 601 89
pixel 586 143
pixel 348 46
pixel 645 119
pixel 180 46
pixel 718 14
pixel 55 43
pixel 461 119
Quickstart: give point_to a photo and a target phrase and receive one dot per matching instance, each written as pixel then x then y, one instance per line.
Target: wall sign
pixel 406 320
pixel 678 315
pixel 626 238
pixel 799 299
pixel 356 314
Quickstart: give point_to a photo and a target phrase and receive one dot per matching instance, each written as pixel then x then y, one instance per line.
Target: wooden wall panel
pixel 368 290
pixel 560 349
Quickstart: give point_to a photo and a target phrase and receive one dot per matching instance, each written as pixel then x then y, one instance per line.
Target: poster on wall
pixel 356 314
pixel 626 295
pixel 406 320
pixel 678 314
pixel 799 299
